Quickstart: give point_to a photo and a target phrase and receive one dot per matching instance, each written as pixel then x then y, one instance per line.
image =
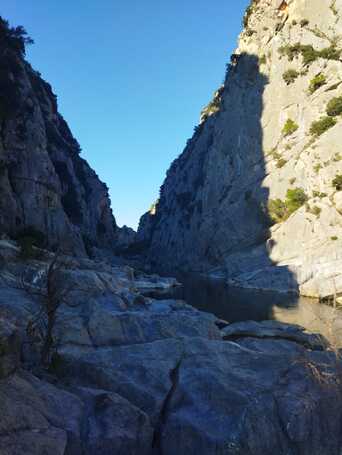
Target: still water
pixel 234 305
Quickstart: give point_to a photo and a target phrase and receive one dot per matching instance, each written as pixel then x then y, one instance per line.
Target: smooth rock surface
pixel 133 375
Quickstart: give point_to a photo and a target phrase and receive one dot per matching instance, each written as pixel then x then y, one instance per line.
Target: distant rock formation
pixel 256 194
pixel 125 238
pixel 44 183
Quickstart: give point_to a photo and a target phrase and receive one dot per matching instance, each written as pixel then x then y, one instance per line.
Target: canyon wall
pixel 45 185
pixel 256 194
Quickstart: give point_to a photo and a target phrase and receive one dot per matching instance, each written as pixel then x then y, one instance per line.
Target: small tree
pixel 280 211
pixel 290 127
pixel 14 37
pixel 295 198
pixel 50 292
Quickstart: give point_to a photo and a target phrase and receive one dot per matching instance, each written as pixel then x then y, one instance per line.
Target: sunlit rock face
pixel 44 183
pixel 225 203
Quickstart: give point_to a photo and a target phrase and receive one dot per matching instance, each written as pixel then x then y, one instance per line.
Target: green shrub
pixel 337 157
pixel 308 53
pixel 290 51
pixel 290 76
pixel 337 182
pixel 322 125
pixel 281 163
pixel 334 106
pixel 318 81
pixel 304 22
pixel 290 127
pixel 295 199
pixel 277 210
pixel 333 87
pixel 319 194
pixel 334 237
pixel 330 53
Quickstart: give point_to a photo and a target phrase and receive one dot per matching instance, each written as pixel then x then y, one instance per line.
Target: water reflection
pixel 234 305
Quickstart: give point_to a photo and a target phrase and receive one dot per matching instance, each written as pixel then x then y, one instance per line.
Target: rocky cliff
pixel 89 363
pixel 256 193
pixel 45 185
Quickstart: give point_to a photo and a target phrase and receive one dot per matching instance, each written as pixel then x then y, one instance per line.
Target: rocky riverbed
pixel 134 375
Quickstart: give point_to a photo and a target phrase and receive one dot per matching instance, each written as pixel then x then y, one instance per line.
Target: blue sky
pixel 131 78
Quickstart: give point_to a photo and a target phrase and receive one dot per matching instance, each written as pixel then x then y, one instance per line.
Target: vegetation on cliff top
pixel 15 38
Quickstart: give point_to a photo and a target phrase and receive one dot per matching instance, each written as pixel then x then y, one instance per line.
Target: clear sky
pixel 131 78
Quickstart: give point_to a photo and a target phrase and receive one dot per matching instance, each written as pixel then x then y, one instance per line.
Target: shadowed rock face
pixel 214 201
pixel 44 183
pixel 134 375
pixel 205 210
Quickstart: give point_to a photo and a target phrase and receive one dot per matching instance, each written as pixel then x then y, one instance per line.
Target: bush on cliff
pixel 279 210
pixel 337 182
pixel 290 76
pixel 290 127
pixel 295 199
pixel 322 125
pixel 318 81
pixel 334 107
pixel 308 53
